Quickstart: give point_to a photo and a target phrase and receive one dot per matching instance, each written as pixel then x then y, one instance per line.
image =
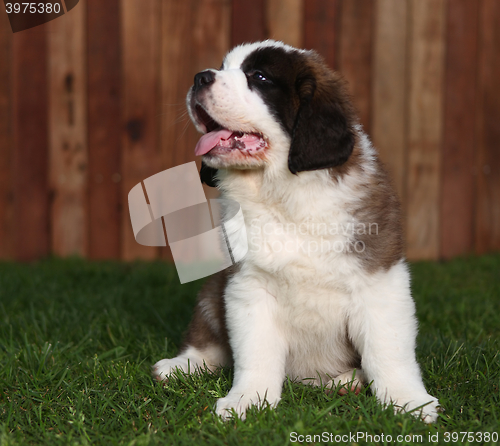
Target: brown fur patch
pixel 208 326
pixel 381 208
pixel 380 213
pixel 350 166
pixel 333 85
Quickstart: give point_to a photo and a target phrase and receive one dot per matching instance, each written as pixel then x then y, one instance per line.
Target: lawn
pixel 77 340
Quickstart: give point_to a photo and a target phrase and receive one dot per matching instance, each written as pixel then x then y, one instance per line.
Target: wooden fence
pixel 93 102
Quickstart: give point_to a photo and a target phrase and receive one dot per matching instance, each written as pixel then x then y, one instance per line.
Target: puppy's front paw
pixel 165 368
pixel 429 412
pixel 241 401
pixel 425 407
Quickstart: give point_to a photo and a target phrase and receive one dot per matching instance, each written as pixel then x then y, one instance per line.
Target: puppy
pixel 323 294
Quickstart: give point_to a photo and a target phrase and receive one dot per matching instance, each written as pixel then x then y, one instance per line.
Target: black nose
pixel 203 79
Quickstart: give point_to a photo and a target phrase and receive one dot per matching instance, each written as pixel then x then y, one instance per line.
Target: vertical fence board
pixel 140 155
pixel 5 138
pixel 68 132
pixel 355 53
pixel 487 234
pixel 389 88
pixel 321 28
pixel 104 128
pixel 458 158
pixel 248 21
pixel 284 21
pixel 425 127
pixel 30 122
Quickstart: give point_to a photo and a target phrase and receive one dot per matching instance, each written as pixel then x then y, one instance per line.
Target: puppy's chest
pixel 312 306
pixel 306 245
pixel 307 262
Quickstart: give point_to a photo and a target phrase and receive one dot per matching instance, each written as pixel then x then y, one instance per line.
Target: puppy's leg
pixel 206 342
pixel 258 347
pixel 383 328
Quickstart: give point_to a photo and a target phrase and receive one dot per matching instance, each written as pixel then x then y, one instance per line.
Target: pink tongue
pixel 208 141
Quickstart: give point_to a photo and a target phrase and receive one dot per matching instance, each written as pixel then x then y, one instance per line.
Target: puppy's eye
pixel 259 76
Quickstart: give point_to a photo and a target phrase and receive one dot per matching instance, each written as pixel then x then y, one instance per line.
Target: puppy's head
pixel 271 104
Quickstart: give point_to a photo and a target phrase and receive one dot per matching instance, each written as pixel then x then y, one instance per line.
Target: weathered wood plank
pixel 426 71
pixel 248 21
pixel 390 89
pixel 458 158
pixel 68 133
pixel 284 21
pixel 6 207
pixel 104 128
pixel 30 129
pixel 140 152
pixel 355 53
pixel 487 223
pixel 321 29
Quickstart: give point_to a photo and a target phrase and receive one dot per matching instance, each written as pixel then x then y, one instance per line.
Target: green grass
pixel 77 340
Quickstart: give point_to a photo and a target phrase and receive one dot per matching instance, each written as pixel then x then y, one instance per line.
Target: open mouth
pixel 221 140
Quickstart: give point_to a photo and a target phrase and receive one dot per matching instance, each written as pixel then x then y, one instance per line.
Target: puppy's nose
pixel 203 79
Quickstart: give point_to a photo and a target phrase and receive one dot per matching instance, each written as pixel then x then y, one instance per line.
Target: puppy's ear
pixel 207 175
pixel 322 134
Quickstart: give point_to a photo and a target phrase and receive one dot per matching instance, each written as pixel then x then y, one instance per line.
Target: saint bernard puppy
pixel 323 294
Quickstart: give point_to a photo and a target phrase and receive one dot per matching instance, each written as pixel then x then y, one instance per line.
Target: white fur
pixel 291 309
pixel 190 361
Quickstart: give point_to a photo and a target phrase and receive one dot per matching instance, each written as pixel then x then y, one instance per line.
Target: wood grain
pixel 426 71
pixel 6 208
pixel 321 29
pixel 140 150
pixel 248 20
pixel 30 142
pixel 458 159
pixel 487 223
pixel 355 53
pixel 104 128
pixel 389 88
pixel 284 21
pixel 68 133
